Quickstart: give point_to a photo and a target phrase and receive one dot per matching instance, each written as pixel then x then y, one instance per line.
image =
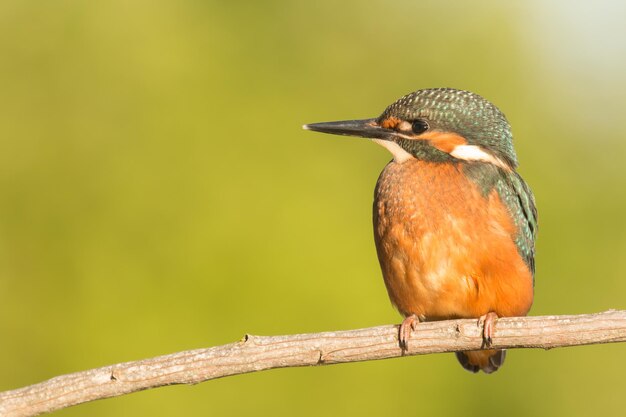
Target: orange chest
pixel 423 198
pixel 445 248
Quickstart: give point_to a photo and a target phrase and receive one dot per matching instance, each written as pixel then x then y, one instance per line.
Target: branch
pixel 257 353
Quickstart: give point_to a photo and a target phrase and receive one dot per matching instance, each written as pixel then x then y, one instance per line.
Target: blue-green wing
pixel 519 199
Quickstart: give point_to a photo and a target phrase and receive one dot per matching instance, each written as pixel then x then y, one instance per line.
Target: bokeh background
pixel 157 192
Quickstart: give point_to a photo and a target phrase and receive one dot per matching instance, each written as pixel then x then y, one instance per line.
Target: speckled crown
pixel 462 112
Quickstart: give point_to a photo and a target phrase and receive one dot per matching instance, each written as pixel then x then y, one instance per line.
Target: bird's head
pixel 438 125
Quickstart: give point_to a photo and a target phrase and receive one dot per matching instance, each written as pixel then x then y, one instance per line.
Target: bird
pixel 454 223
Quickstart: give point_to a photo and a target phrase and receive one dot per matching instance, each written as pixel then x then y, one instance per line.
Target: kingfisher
pixel 454 223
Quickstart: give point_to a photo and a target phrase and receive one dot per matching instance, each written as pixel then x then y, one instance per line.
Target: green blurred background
pixel 157 192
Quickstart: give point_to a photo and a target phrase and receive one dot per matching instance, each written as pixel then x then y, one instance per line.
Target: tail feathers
pixel 486 360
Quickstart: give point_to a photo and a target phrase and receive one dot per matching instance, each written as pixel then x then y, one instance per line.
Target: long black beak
pixel 366 128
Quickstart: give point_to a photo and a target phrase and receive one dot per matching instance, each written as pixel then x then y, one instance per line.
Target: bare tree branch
pixel 257 353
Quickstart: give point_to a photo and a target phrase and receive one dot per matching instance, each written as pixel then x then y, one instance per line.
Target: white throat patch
pixel 399 154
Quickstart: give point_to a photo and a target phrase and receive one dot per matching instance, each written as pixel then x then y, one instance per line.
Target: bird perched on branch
pixel 454 223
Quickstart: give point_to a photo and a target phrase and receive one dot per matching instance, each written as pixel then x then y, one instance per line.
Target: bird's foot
pixel 488 323
pixel 404 333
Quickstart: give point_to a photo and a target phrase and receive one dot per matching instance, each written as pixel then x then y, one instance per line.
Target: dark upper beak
pixel 366 128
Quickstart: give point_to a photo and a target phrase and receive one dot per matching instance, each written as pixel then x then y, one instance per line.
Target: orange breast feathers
pixel 445 249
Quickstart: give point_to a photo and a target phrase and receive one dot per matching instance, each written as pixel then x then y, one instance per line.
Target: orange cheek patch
pixel 444 141
pixel 390 122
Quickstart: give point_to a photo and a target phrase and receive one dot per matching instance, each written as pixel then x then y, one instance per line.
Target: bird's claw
pixel 488 323
pixel 404 332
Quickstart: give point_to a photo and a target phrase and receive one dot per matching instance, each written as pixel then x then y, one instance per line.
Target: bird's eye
pixel 419 126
